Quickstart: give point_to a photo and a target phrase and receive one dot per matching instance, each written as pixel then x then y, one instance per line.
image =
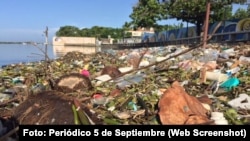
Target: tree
pixel 85 32
pixel 240 14
pixel 127 26
pixel 146 14
pixel 95 31
pixel 194 11
pixel 69 31
pixel 248 10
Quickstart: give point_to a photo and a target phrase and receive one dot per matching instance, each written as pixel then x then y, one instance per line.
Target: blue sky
pixel 25 20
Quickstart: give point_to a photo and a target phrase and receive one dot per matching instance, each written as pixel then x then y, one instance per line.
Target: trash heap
pixel 147 86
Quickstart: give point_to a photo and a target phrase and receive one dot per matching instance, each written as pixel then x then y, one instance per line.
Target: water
pixel 23 53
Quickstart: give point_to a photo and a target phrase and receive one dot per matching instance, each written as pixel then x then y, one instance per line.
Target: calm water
pixel 19 53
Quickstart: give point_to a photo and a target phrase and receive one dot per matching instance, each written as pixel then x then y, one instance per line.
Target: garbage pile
pixel 147 86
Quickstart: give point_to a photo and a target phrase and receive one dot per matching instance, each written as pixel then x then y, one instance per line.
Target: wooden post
pixel 206 24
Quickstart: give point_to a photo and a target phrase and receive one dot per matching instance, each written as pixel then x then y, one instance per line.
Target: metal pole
pixel 206 24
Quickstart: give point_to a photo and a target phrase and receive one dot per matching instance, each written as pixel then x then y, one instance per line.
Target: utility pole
pixel 206 23
pixel 46 35
pixel 46 49
pixel 46 43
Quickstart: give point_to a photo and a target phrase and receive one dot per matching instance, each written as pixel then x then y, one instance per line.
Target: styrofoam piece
pixel 104 77
pixel 219 118
pixel 101 79
pixel 216 115
pixel 158 59
pixel 216 76
pixel 125 69
pixel 242 102
pixel 144 63
pixel 228 51
pixel 244 59
pixel 221 122
pixel 173 67
pixel 229 64
pixel 123 57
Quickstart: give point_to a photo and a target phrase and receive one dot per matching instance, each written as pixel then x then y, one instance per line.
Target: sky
pixel 26 20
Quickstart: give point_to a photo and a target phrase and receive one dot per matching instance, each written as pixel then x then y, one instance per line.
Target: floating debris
pixel 155 86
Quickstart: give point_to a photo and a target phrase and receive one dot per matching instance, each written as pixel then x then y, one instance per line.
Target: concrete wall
pixel 63 45
pixel 91 41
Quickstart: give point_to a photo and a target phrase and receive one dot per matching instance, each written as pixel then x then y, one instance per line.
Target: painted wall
pixel 228 26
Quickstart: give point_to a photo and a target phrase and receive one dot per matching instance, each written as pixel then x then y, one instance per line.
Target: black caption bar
pixel 129 131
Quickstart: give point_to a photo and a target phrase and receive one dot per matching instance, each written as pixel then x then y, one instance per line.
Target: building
pixel 137 35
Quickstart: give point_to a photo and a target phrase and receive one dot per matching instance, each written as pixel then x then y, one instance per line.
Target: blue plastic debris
pixel 230 83
pixel 133 105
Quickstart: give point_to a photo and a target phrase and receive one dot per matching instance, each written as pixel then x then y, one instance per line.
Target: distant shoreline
pixel 12 42
pixel 19 43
